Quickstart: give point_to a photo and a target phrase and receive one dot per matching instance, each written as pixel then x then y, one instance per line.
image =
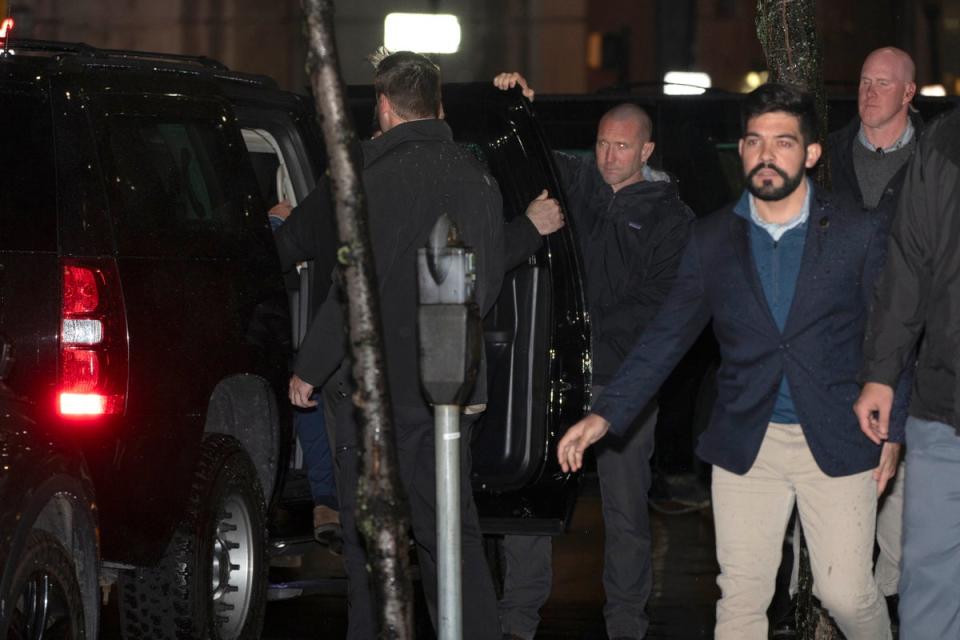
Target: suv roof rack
pixel 86 54
pixel 79 48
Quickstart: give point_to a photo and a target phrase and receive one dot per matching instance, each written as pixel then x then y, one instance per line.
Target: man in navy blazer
pixel 786 275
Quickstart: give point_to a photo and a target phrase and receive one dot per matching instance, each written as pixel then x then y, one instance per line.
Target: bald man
pixel 868 164
pixel 632 228
pixel 868 157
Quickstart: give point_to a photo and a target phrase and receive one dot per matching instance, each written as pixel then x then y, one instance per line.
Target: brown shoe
pixel 326 527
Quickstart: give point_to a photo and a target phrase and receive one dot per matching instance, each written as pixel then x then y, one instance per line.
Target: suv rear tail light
pixel 93 340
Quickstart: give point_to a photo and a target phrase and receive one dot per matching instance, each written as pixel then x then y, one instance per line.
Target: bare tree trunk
pixel 382 515
pixel 787 30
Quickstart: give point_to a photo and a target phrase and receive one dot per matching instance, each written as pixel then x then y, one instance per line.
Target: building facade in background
pixel 562 46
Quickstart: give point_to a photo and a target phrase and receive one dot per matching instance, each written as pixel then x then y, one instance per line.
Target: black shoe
pixel 786 627
pixel 893 606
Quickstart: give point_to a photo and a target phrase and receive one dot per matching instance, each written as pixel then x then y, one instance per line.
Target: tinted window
pixel 172 186
pixel 27 184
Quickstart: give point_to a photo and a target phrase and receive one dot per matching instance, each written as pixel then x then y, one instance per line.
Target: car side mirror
pixel 6 358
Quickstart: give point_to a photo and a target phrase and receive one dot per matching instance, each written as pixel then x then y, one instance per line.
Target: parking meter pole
pixel 449 334
pixel 447 440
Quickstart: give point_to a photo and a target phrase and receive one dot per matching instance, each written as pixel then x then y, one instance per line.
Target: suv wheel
pixel 44 594
pixel 211 582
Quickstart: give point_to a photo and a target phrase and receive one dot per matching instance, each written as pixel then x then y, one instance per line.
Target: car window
pixel 269 165
pixel 502 150
pixel 177 183
pixel 27 174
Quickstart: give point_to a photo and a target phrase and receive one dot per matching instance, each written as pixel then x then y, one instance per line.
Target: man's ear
pixel 814 151
pixel 646 151
pixel 383 104
pixel 909 92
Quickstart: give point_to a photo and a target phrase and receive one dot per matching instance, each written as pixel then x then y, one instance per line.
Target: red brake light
pixel 80 293
pixel 79 370
pixel 6 27
pixel 83 404
pixel 93 340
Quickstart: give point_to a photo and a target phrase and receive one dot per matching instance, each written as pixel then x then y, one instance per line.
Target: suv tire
pixel 44 594
pixel 211 582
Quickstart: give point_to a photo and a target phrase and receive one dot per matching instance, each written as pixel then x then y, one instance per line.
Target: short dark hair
pixel 772 97
pixel 412 83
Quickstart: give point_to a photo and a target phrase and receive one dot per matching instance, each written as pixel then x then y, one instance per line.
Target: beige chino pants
pixel 838 515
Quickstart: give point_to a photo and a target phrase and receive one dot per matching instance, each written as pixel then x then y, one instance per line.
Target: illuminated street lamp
pixel 933 90
pixel 421 32
pixel 685 83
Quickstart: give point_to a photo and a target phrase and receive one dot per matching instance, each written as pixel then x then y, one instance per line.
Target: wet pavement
pixel 681 606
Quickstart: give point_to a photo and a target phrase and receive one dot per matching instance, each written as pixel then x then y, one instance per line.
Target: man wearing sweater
pixel 786 275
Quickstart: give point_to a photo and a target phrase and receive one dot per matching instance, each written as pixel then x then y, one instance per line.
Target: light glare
pixel 937 90
pixel 421 32
pixel 685 83
pixel 82 404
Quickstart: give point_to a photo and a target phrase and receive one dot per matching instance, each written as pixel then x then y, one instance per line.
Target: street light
pixel 421 32
pixel 685 83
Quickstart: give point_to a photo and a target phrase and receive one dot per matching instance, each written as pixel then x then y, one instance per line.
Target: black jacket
pixel 843 176
pixel 919 290
pixel 310 233
pixel 411 175
pixel 632 241
pixel 846 191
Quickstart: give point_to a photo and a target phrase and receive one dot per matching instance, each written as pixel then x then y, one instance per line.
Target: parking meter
pixel 449 333
pixel 448 320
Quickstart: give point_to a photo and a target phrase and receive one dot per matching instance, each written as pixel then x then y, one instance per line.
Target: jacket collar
pixel 654 186
pixel 431 130
pixel 842 158
pixel 817 227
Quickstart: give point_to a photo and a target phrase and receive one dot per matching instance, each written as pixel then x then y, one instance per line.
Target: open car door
pixel 536 336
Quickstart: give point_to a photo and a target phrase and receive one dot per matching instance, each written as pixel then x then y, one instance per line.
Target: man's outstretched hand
pixel 510 79
pixel 577 438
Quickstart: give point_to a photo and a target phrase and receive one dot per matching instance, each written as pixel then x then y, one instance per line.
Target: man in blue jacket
pixel 786 277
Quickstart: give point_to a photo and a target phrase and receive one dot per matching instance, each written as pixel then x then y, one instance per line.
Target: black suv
pixel 142 296
pixel 151 328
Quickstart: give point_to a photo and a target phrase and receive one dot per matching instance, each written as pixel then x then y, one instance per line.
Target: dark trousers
pixel 623 465
pixel 311 426
pixel 416 453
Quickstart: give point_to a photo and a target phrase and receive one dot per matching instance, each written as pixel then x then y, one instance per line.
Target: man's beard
pixel 769 192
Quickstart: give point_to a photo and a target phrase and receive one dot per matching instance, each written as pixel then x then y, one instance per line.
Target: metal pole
pixel 447 442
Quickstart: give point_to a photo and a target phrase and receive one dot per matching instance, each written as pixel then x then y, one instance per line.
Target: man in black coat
pixel 919 295
pixel 868 163
pixel 786 276
pixel 632 227
pixel 412 174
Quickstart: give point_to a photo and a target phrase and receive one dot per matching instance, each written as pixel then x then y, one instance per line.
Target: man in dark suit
pixel 411 174
pixel 786 277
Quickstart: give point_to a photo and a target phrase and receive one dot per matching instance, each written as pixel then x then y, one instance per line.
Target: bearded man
pixel 786 276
